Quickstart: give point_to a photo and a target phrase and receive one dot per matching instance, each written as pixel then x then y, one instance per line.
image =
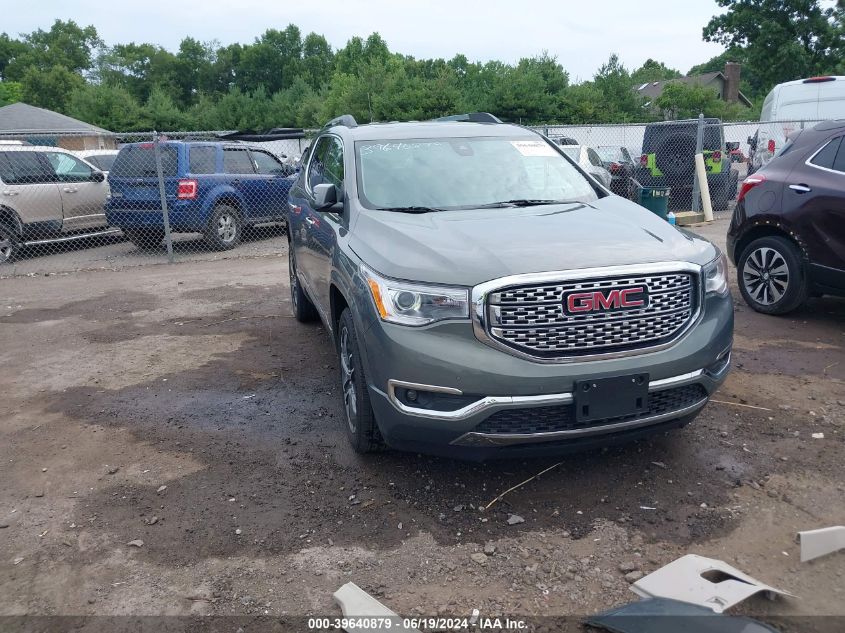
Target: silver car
pixel 589 161
pixel 47 194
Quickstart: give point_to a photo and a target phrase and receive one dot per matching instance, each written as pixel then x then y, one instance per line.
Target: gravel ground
pixel 172 445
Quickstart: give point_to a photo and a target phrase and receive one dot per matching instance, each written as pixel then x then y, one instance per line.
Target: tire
pixel 9 244
pixel 301 306
pixel 148 239
pixel 360 422
pixel 225 228
pixel 771 276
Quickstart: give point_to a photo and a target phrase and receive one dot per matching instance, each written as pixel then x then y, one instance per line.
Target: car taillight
pixel 748 184
pixel 614 167
pixel 771 146
pixel 644 160
pixel 717 155
pixel 187 189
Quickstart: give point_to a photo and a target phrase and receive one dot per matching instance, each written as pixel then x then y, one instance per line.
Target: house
pixel 20 121
pixel 725 83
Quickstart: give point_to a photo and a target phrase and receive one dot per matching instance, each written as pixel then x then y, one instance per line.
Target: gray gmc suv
pixel 489 298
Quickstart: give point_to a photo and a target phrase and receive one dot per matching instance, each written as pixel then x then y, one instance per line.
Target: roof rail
pixel 471 117
pixel 346 120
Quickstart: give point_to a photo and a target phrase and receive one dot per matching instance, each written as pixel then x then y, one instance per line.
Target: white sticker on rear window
pixel 533 148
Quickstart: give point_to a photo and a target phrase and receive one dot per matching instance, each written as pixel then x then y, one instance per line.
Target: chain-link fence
pixel 76 202
pixel 71 202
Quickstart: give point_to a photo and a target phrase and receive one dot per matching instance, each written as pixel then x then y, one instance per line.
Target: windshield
pixel 572 152
pixel 462 173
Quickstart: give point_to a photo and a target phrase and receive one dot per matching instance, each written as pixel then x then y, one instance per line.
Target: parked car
pixel 787 234
pixel 212 188
pixel 588 160
pixel 790 104
pixel 102 159
pixel 668 160
pixel 618 161
pixel 47 194
pixel 487 298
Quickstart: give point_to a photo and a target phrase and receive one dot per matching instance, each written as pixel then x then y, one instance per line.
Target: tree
pixel 66 44
pixel 110 107
pixel 653 70
pixel 615 86
pixel 782 39
pixel 161 113
pixel 10 92
pixel 51 88
pixel 686 101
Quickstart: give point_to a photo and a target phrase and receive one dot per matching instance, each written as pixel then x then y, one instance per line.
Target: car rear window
pixel 24 168
pixel 203 159
pixel 138 161
pixel 102 162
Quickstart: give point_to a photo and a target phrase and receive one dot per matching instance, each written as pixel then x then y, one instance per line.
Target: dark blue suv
pixel 212 188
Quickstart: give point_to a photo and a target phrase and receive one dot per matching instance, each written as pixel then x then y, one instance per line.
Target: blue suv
pixel 212 188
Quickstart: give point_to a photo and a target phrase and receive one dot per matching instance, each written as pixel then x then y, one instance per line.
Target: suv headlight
pixel 409 303
pixel 716 276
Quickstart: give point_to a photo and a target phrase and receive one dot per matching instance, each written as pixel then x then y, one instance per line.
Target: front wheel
pixel 771 276
pixel 361 427
pixel 9 244
pixel 224 228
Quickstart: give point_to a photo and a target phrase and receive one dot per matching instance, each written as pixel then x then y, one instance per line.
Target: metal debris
pixel 815 543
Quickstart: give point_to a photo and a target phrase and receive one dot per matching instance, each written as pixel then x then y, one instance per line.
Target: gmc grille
pixel 532 318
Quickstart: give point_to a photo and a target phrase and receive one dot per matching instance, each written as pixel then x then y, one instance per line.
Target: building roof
pixel 654 89
pixel 22 118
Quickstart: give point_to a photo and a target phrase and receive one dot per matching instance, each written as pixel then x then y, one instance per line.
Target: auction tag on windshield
pixel 533 148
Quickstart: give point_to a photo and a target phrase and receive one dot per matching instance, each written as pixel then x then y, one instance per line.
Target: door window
pixel 267 165
pixel 24 168
pixel 68 168
pixel 594 158
pixel 237 161
pixel 327 164
pixel 827 154
pixel 839 161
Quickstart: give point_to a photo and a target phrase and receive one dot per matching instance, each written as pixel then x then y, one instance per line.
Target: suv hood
pixel 472 246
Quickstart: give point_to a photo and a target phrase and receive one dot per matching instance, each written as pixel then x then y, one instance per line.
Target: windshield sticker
pixel 393 147
pixel 533 148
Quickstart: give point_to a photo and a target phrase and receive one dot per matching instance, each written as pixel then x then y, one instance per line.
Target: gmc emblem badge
pixel 606 300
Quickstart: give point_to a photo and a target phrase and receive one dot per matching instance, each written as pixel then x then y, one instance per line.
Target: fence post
pixel 163 195
pixel 699 146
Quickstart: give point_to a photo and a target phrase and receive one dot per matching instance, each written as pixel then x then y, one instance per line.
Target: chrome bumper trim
pixel 508 439
pixel 496 403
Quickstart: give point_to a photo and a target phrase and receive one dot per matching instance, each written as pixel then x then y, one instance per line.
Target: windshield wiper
pixel 523 202
pixel 411 209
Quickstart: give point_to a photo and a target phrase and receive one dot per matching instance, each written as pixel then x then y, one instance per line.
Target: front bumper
pixel 448 358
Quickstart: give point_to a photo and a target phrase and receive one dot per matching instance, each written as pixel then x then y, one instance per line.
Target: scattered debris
pixel 151 521
pixel 815 543
pixel 111 470
pixel 489 549
pixel 161 489
pixel 357 603
pixel 704 581
pixel 661 615
pixel 519 485
pixel 817 436
pixel 634 576
pixel 136 543
pixel 647 508
pixel 737 404
pixel 514 519
pixel 659 465
pixel 479 557
pixel 238 532
pixel 628 566
pixel 18 560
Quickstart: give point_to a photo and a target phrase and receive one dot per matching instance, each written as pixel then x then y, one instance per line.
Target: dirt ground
pixel 182 406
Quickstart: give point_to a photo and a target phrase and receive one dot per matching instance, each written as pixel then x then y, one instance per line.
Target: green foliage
pixel 107 106
pixel 10 92
pixel 687 101
pixel 653 70
pixel 51 88
pixel 780 40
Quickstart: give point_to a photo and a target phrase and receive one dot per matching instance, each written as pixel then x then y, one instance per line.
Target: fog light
pixel 411 395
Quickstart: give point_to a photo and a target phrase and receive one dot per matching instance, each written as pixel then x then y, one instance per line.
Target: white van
pixel 788 105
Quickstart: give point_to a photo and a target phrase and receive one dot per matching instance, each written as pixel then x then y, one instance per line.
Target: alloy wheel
pixel 6 246
pixel 347 379
pixel 227 227
pixel 765 275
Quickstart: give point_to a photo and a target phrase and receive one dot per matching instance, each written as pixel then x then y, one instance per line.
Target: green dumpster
pixel 655 199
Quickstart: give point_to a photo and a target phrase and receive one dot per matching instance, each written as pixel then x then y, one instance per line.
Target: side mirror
pixel 750 140
pixel 98 176
pixel 326 198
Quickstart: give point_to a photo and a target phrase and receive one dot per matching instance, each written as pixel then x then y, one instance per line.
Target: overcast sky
pixel 582 34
